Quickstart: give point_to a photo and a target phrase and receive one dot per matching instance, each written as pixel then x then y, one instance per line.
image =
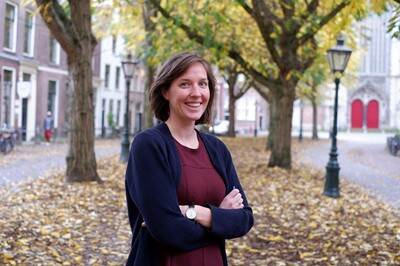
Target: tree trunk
pixel 81 160
pixel 149 12
pixel 282 128
pixel 315 120
pixel 232 114
pixel 148 113
pixel 270 126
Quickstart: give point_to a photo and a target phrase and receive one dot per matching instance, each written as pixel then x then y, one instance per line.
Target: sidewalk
pixel 363 159
pixel 33 161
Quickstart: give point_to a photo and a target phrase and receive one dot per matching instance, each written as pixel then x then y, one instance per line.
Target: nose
pixel 195 91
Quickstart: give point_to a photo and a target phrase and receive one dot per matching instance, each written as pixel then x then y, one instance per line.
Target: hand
pixel 183 209
pixel 233 200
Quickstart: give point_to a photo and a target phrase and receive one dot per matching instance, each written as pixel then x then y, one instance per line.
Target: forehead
pixel 195 70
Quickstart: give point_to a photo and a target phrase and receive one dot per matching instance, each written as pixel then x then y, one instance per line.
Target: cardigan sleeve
pixel 231 223
pixel 152 187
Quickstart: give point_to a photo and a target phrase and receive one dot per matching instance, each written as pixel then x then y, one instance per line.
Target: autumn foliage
pixel 49 222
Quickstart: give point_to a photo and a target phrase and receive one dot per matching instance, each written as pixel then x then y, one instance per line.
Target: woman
pixel 184 197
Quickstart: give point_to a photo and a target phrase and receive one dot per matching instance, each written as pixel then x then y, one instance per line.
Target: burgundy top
pixel 200 184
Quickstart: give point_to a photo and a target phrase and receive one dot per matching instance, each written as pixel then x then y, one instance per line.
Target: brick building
pixel 33 71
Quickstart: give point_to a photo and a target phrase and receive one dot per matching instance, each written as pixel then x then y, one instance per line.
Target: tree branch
pixel 243 89
pixel 246 7
pixel 235 55
pixel 323 21
pixel 265 21
pixel 58 22
pixel 262 90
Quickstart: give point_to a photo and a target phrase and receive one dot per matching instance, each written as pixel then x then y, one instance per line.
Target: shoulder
pixel 213 142
pixel 149 137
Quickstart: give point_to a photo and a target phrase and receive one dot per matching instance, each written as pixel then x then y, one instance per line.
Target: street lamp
pixel 128 67
pixel 338 57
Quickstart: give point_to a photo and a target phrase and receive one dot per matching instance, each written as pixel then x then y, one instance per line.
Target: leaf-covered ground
pixel 48 222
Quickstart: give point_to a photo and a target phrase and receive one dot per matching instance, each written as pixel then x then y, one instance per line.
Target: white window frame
pixel 32 39
pixel 14 40
pixel 13 88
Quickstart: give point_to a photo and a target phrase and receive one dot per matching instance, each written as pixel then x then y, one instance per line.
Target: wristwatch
pixel 191 212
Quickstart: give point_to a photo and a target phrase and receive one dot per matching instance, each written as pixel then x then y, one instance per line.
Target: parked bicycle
pixel 8 139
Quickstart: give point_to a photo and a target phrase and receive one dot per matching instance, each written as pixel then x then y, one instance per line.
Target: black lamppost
pixel 338 58
pixel 128 67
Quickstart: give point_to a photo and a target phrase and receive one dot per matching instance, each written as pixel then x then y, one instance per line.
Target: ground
pixel 48 221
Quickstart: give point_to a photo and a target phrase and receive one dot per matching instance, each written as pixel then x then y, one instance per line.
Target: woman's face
pixel 188 95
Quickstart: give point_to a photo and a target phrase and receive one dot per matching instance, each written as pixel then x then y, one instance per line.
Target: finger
pixel 234 192
pixel 237 197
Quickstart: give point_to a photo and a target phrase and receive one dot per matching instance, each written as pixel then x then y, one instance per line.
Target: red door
pixel 356 114
pixel 373 114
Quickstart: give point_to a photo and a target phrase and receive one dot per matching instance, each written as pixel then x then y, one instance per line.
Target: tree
pixel 149 13
pixel 235 91
pixel 72 27
pixel 309 86
pixel 288 30
pixel 394 23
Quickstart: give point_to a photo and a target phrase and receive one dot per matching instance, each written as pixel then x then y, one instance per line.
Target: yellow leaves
pixel 87 224
pixel 48 222
pixel 295 223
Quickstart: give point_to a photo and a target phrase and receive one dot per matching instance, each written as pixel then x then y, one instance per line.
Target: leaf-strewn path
pixel 32 161
pixel 53 223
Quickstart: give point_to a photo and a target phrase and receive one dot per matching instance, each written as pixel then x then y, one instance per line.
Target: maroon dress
pixel 200 184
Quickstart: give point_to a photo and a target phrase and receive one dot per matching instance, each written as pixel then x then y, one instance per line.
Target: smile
pixel 193 104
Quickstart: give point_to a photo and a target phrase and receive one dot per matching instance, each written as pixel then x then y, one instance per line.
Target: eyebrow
pixel 185 79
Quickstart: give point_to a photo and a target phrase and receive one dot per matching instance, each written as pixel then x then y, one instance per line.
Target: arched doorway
pixel 357 114
pixel 373 114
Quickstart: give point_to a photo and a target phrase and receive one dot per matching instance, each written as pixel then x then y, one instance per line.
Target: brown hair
pixel 172 69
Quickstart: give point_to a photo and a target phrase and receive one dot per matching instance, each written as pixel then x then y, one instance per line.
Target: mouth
pixel 193 104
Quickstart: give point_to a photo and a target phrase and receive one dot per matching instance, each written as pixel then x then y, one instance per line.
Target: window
pixel 118 110
pixel 28 34
pixel 114 44
pixel 6 97
pixel 26 77
pixel 54 49
pixel 111 106
pixel 10 27
pixel 107 76
pixel 117 77
pixel 51 96
pixel 110 115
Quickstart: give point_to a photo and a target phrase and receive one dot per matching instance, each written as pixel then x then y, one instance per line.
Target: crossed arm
pixel 233 200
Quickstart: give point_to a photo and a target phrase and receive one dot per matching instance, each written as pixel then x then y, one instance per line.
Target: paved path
pixel 363 160
pixel 32 161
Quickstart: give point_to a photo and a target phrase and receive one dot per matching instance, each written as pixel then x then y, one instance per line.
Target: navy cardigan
pixel 151 180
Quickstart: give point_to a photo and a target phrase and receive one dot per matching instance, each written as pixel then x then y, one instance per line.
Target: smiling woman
pixel 184 196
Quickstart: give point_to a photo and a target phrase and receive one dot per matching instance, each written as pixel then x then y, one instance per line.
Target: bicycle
pixel 8 140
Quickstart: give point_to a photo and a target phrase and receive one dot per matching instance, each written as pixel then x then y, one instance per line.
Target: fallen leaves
pixel 296 225
pixel 49 222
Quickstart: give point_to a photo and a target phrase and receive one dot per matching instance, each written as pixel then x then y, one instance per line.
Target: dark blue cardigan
pixel 151 179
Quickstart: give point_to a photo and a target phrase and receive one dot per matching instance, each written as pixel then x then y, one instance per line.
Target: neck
pixel 181 131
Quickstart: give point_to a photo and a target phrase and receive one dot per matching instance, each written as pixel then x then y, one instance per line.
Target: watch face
pixel 191 213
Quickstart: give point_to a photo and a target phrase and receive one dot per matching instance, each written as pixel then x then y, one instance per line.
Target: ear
pixel 165 94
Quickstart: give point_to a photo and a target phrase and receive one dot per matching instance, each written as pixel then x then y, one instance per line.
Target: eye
pixel 203 84
pixel 184 85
